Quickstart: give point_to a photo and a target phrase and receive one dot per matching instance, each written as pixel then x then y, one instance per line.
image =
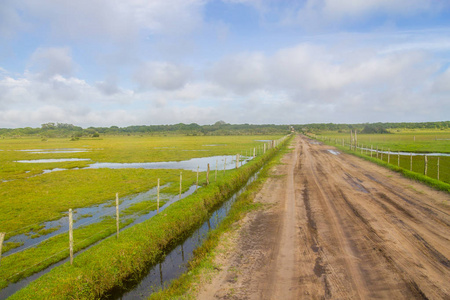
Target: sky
pixel 148 62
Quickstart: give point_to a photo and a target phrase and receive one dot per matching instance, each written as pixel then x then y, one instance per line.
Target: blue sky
pixel 143 62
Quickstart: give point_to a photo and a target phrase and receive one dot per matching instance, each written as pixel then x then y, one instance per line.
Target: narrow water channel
pixel 175 262
pixel 14 287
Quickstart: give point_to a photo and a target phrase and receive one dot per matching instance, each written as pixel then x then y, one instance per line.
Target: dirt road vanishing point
pixel 337 227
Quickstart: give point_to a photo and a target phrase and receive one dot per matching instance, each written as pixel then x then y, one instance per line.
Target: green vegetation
pixel 28 200
pixel 399 142
pixel 202 262
pixel 113 261
pixel 420 141
pixel 54 130
pixel 319 127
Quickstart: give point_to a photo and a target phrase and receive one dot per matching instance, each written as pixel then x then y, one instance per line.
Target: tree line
pixel 52 130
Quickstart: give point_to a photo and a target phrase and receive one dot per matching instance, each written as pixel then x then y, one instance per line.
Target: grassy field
pixel 409 141
pixel 113 261
pixel 421 141
pixel 28 200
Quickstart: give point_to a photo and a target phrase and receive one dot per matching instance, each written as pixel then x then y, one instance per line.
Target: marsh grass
pixel 113 261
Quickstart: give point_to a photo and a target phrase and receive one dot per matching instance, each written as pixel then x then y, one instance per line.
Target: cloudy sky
pixel 144 62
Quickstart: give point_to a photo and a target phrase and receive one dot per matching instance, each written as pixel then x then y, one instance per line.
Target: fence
pixel 433 165
pixel 18 268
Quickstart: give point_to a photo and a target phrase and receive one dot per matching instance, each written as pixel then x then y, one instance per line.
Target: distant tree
pixel 371 128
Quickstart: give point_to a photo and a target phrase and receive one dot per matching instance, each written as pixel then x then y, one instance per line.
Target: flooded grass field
pixel 41 180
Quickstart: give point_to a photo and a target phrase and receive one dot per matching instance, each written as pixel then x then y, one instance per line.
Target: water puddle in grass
pixel 176 261
pixel 57 150
pixel 191 164
pixel 89 215
pixel 14 287
pixel 226 162
pixel 51 160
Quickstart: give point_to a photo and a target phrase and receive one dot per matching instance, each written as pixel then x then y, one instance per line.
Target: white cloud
pixel 108 20
pixel 442 82
pixel 48 62
pixel 162 75
pixel 241 73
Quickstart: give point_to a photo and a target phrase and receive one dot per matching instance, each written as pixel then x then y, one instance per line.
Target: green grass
pixel 49 196
pixel 112 261
pixel 423 141
pixel 202 262
pixel 28 200
pixel 121 149
pixel 404 168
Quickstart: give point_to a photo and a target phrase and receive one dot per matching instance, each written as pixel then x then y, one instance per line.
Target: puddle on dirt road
pixel 176 261
pixel 334 152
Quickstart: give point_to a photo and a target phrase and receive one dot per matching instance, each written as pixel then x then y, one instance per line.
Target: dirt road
pixel 337 227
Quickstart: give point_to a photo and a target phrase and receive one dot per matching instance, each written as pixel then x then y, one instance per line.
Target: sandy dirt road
pixel 337 227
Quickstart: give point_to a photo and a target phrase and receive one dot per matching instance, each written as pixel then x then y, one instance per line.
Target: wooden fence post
pixel 351 139
pixel 207 176
pixel 2 238
pixel 237 160
pixel 264 148
pixel 437 175
pixel 410 162
pixel 371 148
pixel 377 151
pixel 426 165
pixel 157 198
pixel 117 213
pixel 254 152
pixel 181 180
pixel 71 236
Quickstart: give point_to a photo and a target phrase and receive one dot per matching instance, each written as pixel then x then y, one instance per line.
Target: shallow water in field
pixel 57 150
pixel 175 262
pixel 97 212
pixel 51 160
pixel 89 215
pixel 223 162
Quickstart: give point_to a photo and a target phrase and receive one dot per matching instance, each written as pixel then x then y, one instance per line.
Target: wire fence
pixel 20 265
pixel 433 165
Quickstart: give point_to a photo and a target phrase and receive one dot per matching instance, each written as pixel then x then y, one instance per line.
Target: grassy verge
pixel 113 261
pixel 185 287
pixel 437 184
pixel 23 264
pixel 47 197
